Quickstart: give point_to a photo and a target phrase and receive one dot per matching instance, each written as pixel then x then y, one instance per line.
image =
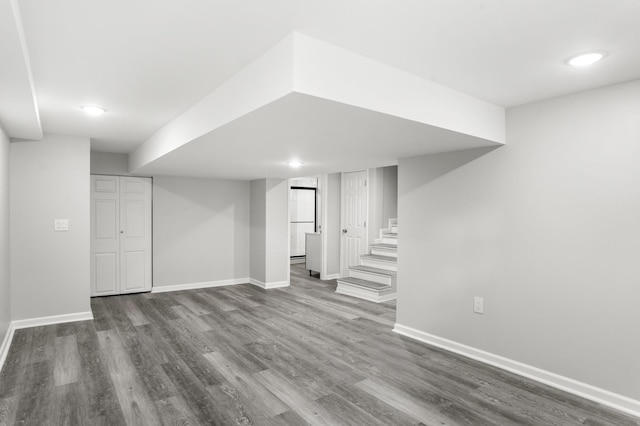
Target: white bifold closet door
pixel 120 235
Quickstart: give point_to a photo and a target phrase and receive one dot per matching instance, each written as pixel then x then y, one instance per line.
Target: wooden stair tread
pixel 380 257
pixel 384 246
pixel 372 270
pixel 370 285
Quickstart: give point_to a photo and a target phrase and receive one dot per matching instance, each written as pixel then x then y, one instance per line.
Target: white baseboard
pixel 267 286
pixel 6 343
pixel 332 276
pixel 56 319
pixel 193 286
pixel 584 390
pixel 364 294
pixel 36 322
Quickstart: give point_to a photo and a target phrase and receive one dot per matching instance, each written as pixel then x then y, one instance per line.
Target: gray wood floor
pixel 241 355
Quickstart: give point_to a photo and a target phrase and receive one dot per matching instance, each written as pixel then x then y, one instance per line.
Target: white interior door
pixel 120 235
pixel 353 241
pixel 135 234
pixel 105 238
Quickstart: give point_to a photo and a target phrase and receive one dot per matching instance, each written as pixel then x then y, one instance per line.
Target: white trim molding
pixel 55 319
pixel 584 390
pixel 267 286
pixel 194 286
pixel 6 343
pixel 332 276
pixel 323 192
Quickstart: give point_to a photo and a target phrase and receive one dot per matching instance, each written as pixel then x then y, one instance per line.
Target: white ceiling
pixel 147 61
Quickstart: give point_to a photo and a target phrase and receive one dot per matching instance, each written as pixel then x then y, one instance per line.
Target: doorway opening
pixel 303 216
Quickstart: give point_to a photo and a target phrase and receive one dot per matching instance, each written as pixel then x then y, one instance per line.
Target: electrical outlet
pixel 478 305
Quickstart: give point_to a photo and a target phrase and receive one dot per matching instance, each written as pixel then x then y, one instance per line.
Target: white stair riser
pixel 364 294
pixel 386 290
pixel 375 263
pixel 384 251
pixel 382 279
pixel 394 229
pixel 386 240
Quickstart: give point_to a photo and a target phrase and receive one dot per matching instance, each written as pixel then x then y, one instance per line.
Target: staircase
pixel 375 278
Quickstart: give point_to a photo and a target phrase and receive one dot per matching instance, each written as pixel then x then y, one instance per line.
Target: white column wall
pixel 49 270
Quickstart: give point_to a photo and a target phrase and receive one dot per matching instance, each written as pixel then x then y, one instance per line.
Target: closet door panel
pixel 135 236
pixel 106 273
pixel 105 239
pixel 133 271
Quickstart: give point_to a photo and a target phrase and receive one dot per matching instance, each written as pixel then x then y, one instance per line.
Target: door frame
pixel 323 188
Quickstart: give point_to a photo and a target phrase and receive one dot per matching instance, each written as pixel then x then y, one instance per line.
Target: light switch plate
pixel 478 305
pixel 60 225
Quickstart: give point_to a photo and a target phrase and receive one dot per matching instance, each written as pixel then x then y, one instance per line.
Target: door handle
pixel 344 231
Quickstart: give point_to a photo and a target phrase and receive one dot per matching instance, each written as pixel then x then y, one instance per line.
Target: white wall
pixel 109 163
pixel 258 221
pixel 389 194
pixel 374 199
pixel 200 230
pixel 277 231
pixel 304 182
pixel 49 180
pixel 5 287
pixel 333 229
pixel 546 229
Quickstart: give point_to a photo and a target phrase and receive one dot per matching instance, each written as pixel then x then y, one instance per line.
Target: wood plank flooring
pixel 242 355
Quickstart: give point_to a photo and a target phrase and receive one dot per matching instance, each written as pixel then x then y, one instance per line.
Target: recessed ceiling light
pixel 294 163
pixel 93 110
pixel 586 59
